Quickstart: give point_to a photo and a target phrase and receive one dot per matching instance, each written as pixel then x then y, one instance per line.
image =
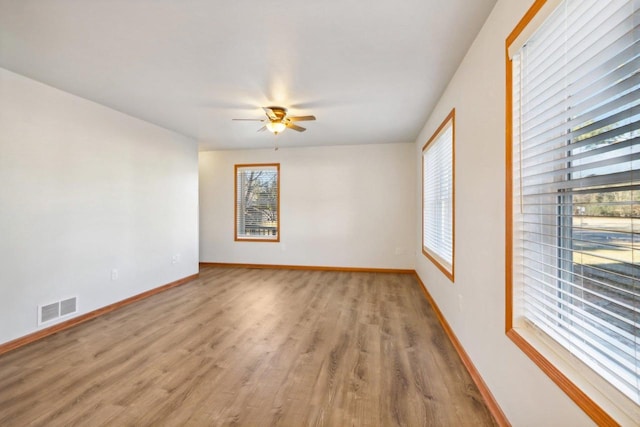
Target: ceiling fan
pixel 277 120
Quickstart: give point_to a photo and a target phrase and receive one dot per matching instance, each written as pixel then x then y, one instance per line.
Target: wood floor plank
pixel 250 347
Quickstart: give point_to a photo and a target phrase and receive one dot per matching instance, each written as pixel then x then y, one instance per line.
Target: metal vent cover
pixel 68 306
pixel 49 312
pixel 55 310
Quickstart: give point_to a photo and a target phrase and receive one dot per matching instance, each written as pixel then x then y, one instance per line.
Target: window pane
pixel 257 202
pixel 576 181
pixel 438 201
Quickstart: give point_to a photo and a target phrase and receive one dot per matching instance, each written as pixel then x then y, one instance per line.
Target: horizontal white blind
pixel 438 196
pixel 257 202
pixel 576 127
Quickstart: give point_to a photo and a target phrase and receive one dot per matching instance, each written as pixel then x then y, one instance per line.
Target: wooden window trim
pixel 235 202
pixel 450 274
pixel 591 408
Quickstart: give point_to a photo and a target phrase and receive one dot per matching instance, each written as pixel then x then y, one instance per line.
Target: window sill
pixel 442 265
pixel 259 239
pixel 600 400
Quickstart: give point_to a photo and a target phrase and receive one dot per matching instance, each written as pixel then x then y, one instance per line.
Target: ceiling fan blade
pixel 270 113
pixel 296 127
pixel 301 118
pixel 250 120
pixel 262 129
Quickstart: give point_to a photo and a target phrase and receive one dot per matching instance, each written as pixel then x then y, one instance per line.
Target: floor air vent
pixel 58 309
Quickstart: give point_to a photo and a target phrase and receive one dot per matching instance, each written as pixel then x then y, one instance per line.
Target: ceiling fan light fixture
pixel 276 127
pixel 277 120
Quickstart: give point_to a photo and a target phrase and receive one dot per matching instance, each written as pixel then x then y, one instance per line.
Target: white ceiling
pixel 370 71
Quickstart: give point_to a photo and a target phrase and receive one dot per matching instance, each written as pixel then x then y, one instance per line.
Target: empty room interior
pixel 333 213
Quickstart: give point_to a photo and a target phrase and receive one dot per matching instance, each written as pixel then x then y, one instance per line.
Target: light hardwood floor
pixel 248 347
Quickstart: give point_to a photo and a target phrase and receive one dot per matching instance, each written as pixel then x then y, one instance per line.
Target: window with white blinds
pixel 576 185
pixel 438 197
pixel 257 202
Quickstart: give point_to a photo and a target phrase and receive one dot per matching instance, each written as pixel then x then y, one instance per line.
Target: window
pixel 257 204
pixel 573 194
pixel 438 197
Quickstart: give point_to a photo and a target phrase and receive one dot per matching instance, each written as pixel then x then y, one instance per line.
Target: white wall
pixel 86 189
pixel 346 206
pixel 475 305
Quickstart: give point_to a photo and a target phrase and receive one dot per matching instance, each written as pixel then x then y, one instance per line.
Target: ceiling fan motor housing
pixel 279 112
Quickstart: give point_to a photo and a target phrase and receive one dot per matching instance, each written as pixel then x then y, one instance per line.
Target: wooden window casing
pixel 564 368
pixel 257 202
pixel 441 225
